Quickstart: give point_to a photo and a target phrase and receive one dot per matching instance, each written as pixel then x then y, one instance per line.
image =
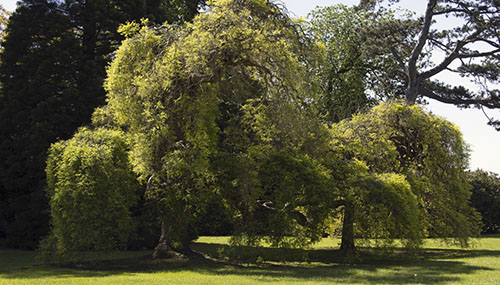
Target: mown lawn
pixel 435 264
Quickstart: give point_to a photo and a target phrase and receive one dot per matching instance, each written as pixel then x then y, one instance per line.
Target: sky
pixel 483 139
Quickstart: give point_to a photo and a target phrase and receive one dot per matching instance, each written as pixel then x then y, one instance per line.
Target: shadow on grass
pixel 370 266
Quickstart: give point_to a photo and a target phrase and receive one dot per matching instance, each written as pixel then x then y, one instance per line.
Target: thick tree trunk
pixel 412 91
pixel 347 246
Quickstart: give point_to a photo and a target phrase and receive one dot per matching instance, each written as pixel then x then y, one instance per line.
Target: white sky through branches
pixel 483 139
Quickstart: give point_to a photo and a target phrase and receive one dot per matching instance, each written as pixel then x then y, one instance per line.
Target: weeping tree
pixel 207 105
pixel 403 175
pixel 91 191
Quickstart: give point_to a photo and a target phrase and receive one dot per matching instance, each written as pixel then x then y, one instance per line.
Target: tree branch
pixel 413 82
pixel 450 10
pixel 488 103
pixel 423 36
pixel 452 56
pixel 479 54
pixel 399 59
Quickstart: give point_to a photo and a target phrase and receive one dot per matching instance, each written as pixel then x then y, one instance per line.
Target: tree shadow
pixel 267 264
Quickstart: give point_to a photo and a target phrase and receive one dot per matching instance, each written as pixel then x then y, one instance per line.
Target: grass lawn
pixel 435 264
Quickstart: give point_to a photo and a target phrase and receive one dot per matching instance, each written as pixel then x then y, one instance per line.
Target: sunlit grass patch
pixel 436 263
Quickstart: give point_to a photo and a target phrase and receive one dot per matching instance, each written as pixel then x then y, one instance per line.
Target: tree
pixel 342 68
pixel 97 22
pixel 403 177
pixel 39 98
pixel 486 198
pixel 91 190
pixel 52 73
pixel 470 49
pixel 206 103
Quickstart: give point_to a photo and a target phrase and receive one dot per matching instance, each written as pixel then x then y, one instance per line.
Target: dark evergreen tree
pixel 38 107
pixel 52 73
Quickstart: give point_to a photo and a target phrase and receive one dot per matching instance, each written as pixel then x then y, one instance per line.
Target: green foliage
pixel 4 20
pixel 228 95
pixel 486 198
pixel 219 115
pixel 426 151
pixel 342 67
pixel 91 191
pixel 291 203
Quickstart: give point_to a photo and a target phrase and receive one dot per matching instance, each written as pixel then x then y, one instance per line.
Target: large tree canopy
pixel 206 103
pixel 36 71
pixel 222 109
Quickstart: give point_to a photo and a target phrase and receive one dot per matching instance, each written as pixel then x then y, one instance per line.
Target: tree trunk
pixel 186 244
pixel 412 91
pixel 412 73
pixel 163 250
pixel 347 246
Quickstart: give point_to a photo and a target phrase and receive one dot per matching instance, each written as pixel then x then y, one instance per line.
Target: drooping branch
pixel 268 207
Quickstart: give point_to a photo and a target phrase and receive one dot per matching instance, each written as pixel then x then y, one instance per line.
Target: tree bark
pixel 412 90
pixel 347 247
pixel 412 73
pixel 186 244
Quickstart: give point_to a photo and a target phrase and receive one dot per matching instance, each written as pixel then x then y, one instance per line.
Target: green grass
pixel 435 264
